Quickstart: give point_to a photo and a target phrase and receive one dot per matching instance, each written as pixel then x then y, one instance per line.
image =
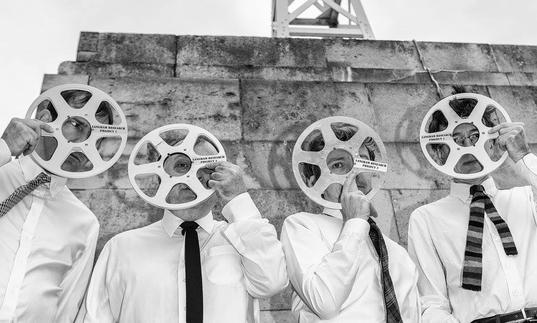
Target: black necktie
pixel 393 315
pixel 194 288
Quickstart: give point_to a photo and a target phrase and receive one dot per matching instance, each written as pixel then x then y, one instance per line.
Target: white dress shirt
pixel 140 274
pixel 437 241
pixel 336 274
pixel 47 246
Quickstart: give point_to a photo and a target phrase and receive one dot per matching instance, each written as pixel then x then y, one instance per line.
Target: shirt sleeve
pixel 100 306
pixel 432 286
pixel 5 153
pixel 256 241
pixel 323 277
pixel 76 281
pixel 527 167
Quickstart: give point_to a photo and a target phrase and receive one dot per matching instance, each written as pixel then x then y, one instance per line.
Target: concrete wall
pixel 258 94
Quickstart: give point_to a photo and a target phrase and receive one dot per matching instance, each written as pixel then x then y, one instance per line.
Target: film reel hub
pixel 329 149
pixel 176 166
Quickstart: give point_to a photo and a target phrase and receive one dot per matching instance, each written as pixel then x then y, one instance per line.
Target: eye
pixel 337 165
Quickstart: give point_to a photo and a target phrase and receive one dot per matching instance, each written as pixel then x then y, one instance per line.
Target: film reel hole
pixel 466 134
pixel 76 99
pixel 463 107
pixel 437 122
pixel 339 162
pixel 343 131
pixel 177 164
pixel 313 142
pixel 492 116
pixel 180 193
pixel 106 114
pixel 147 154
pixel 108 147
pixel 493 150
pixel 174 137
pixel 148 183
pixel 76 129
pixel 46 147
pixel 468 164
pixel 438 152
pixel 46 112
pixel 309 173
pixel 204 147
pixel 77 162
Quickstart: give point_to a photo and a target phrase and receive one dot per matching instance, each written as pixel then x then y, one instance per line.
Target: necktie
pixel 393 315
pixel 22 191
pixel 194 288
pixel 473 254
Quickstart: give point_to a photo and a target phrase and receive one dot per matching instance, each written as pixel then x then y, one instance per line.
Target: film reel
pixel 335 148
pixel 457 126
pixel 174 144
pixel 99 119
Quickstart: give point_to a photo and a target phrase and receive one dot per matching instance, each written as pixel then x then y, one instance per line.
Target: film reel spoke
pixel 188 143
pixel 328 134
pixel 195 185
pixel 356 141
pixel 60 154
pixel 164 188
pixel 309 157
pixel 477 113
pixel 146 169
pixel 322 183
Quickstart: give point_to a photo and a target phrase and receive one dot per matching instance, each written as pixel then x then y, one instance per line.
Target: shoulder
pixel 84 216
pixel 130 239
pixel 432 209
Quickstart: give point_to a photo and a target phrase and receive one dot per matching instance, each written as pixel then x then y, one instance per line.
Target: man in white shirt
pixel 485 274
pixel 333 260
pixel 147 275
pixel 47 236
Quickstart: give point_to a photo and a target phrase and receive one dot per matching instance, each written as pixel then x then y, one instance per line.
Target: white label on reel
pixel 436 137
pixel 370 165
pixel 108 128
pixel 208 159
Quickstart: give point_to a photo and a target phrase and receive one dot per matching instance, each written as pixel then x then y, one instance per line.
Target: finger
pixel 505 125
pixel 217 176
pixel 350 182
pixel 37 125
pixel 212 183
pixel 213 165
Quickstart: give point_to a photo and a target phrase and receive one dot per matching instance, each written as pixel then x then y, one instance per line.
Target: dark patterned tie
pixel 473 254
pixel 22 191
pixel 194 287
pixel 393 315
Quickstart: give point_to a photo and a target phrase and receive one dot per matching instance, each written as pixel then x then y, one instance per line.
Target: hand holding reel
pixel 167 181
pixel 56 96
pixel 331 144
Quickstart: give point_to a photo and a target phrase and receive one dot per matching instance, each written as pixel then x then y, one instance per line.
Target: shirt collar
pixel 30 169
pixel 462 191
pixel 170 222
pixel 333 212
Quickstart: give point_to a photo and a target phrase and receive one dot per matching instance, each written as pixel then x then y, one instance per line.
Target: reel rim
pixel 454 120
pixel 53 95
pixel 155 201
pixel 333 143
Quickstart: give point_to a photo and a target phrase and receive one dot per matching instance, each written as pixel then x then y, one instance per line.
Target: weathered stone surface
pixel 254 72
pixel 277 317
pixel 458 56
pixel 87 45
pixel 372 54
pixel 151 103
pixel 249 51
pixel 279 302
pixel 406 201
pixel 511 58
pixel 52 80
pixel 128 48
pixel 116 70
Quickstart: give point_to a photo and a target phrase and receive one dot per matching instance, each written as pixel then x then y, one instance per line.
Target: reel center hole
pixel 466 134
pixel 339 161
pixel 177 164
pixel 76 129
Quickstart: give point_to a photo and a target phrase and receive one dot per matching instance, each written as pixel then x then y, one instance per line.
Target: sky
pixel 37 35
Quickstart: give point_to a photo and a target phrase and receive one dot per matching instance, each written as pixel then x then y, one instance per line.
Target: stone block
pixel 151 103
pixel 254 72
pixel 457 57
pixel 116 70
pixel 521 105
pixel 515 58
pixel 128 48
pixel 87 46
pixel 372 54
pixel 52 80
pixel 522 79
pixel 249 51
pixel 406 201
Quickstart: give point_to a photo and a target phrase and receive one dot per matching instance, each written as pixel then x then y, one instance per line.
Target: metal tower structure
pixel 320 18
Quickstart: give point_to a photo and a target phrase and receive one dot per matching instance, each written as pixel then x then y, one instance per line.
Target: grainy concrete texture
pixel 258 94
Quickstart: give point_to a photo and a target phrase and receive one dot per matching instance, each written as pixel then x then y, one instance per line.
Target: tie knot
pixel 189 226
pixel 42 178
pixel 476 188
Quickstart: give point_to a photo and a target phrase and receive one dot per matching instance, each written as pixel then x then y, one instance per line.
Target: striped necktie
pixel 393 315
pixel 473 255
pixel 22 191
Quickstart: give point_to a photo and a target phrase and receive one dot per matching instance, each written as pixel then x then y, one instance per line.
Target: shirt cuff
pixel 5 153
pixel 530 163
pixel 239 208
pixel 356 227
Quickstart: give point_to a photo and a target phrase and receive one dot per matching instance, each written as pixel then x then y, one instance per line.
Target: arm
pixel 323 277
pixel 257 243
pixel 76 280
pixel 5 153
pixel 527 168
pixel 432 282
pixel 103 290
